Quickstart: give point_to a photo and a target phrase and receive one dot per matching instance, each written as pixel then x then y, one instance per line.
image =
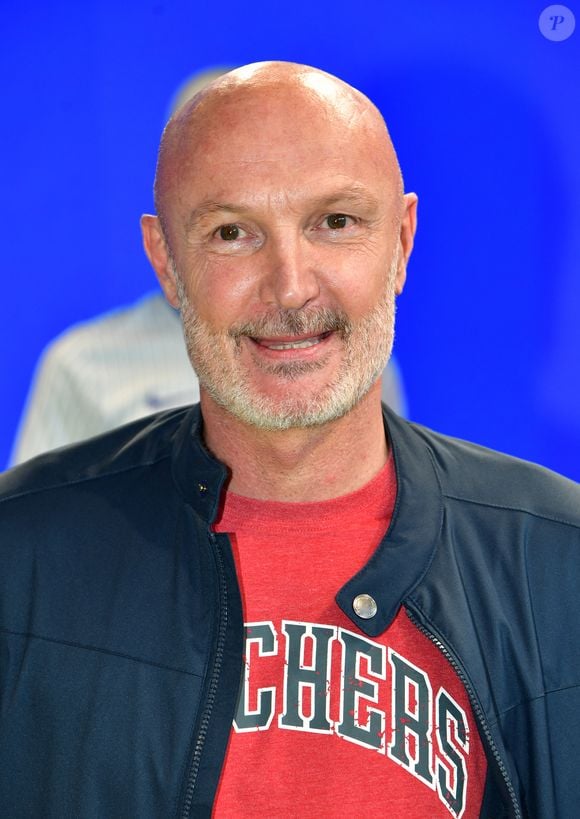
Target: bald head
pixel 273 102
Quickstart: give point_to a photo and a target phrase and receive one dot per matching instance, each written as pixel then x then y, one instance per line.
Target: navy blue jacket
pixel 121 626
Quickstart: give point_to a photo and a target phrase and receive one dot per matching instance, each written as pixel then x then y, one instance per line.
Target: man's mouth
pixel 291 342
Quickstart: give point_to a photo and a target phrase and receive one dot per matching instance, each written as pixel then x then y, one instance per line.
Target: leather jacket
pixel 121 627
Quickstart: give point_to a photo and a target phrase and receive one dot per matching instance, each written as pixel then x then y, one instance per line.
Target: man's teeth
pixel 294 345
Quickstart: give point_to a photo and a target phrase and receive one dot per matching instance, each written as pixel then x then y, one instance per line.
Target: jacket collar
pixel 404 555
pixel 199 476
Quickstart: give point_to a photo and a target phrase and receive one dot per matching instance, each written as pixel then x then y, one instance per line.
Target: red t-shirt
pixel 330 722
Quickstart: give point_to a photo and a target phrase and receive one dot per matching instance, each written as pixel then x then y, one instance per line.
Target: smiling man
pixel 286 601
pixel 284 245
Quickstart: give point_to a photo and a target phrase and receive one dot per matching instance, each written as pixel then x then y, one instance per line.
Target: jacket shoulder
pixel 476 474
pixel 135 445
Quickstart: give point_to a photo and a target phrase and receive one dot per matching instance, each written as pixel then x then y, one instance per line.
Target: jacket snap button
pixel 364 606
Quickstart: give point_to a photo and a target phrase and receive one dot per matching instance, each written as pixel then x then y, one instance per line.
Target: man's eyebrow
pixel 352 194
pixel 209 208
pixel 355 195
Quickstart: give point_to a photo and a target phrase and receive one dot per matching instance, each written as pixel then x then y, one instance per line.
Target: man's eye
pixel 336 221
pixel 229 233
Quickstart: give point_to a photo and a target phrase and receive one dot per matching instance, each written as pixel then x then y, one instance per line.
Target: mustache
pixel 313 321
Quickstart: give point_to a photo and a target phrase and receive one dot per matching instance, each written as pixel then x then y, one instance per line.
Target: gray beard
pixel 368 345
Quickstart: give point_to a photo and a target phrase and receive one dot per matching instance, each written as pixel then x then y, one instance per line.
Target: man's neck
pixel 299 465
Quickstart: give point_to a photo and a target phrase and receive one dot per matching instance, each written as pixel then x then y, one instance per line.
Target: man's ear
pixel 158 254
pixel 406 239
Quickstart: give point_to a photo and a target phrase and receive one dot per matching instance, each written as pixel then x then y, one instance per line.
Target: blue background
pixel 485 115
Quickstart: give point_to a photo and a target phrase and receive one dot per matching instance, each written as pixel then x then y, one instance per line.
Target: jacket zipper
pixel 477 709
pixel 213 683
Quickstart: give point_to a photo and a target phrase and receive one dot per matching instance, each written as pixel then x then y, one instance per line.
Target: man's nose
pixel 290 276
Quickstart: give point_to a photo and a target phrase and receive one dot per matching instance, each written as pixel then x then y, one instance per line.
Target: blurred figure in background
pixel 125 364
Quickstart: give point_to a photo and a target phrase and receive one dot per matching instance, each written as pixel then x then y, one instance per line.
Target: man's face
pixel 285 245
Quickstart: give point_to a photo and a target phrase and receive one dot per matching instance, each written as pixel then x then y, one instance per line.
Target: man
pixel 125 364
pixel 409 600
